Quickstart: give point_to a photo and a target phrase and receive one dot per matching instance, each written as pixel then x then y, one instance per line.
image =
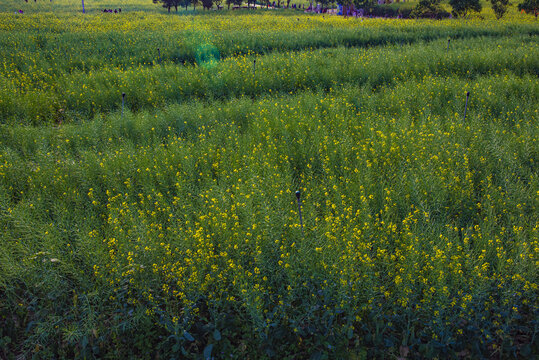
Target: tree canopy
pixel 530 7
pixel 461 8
pixel 169 3
pixel 499 7
pixel 427 8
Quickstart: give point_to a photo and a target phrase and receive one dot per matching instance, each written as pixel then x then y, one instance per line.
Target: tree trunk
pixel 176 7
pixel 168 8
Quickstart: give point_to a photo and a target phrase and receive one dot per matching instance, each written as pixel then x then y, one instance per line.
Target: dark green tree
pixel 427 8
pixel 461 8
pixel 367 5
pixel 530 7
pixel 234 2
pixel 168 4
pixel 185 3
pixel 326 3
pixel 499 7
pixel 207 4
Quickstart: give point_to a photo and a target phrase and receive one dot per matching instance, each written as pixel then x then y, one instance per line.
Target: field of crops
pixel 164 224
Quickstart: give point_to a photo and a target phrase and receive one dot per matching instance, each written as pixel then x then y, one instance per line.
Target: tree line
pixel 206 4
pixel 425 8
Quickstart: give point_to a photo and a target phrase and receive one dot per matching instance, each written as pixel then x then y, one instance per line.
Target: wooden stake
pixel 466 107
pixel 298 196
pixel 123 100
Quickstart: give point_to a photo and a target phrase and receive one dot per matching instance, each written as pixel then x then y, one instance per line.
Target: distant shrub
pixel 429 9
pixel 387 12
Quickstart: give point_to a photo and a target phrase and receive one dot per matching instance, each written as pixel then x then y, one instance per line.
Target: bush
pixel 461 8
pixel 429 9
pixel 387 12
pixel 499 7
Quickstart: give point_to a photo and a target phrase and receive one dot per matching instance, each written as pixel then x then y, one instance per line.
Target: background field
pixel 168 227
pixel 96 6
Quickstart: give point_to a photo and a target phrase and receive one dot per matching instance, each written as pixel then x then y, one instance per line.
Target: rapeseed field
pixel 164 223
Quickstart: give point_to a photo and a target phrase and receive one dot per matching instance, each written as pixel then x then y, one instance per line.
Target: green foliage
pixel 530 7
pixel 427 9
pixel 364 4
pixel 169 3
pixel 232 77
pixel 499 7
pixel 326 3
pixel 461 8
pixel 89 77
pixel 207 4
pixel 171 229
pixel 234 2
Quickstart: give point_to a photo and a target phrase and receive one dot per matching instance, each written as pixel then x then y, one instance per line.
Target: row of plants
pixel 80 95
pixel 68 44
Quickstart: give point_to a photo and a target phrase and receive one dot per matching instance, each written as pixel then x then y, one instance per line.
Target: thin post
pixel 123 100
pixel 466 107
pixel 298 196
pixel 448 41
pixel 254 67
pixel 83 6
pixel 158 56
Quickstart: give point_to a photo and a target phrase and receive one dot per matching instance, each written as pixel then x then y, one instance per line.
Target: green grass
pixel 171 229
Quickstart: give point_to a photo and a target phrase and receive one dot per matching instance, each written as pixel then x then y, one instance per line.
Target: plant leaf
pixel 207 351
pixel 188 336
